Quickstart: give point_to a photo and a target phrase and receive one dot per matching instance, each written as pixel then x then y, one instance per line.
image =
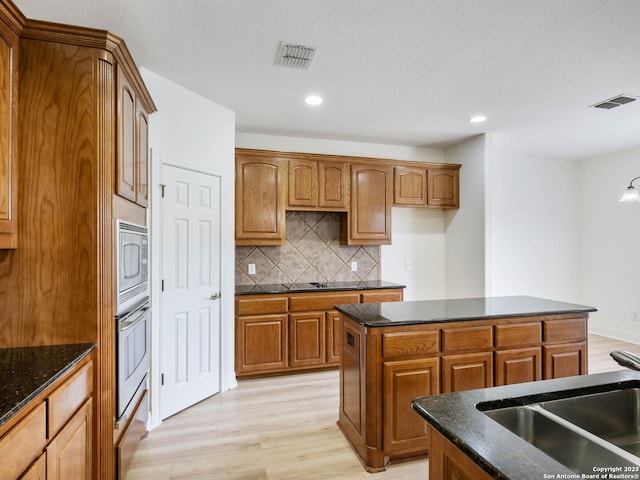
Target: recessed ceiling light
pixel 478 119
pixel 313 100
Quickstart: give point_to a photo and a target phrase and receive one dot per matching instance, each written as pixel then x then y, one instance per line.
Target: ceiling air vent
pixel 296 56
pixel 615 102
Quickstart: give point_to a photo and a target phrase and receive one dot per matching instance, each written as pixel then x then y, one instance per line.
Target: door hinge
pixel 162 189
pixel 162 285
pixel 162 379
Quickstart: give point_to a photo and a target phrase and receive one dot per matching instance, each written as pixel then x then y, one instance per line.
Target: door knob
pixel 215 296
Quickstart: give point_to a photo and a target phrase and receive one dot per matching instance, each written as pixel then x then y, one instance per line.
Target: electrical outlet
pixel 354 266
pixel 251 269
pixel 635 317
pixel 407 265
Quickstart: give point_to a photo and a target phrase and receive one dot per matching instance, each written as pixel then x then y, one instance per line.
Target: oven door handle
pixel 124 326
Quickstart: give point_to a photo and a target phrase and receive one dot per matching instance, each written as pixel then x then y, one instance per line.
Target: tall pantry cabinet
pixel 58 286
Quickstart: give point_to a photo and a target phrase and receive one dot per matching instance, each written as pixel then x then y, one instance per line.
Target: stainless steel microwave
pixel 132 266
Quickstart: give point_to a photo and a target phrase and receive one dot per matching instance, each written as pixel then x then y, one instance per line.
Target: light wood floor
pixel 280 428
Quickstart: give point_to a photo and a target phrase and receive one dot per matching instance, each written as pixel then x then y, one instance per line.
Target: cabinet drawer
pixel 518 334
pixel 321 301
pixel 467 338
pixel 257 306
pixel 410 344
pixel 379 296
pixel 66 400
pixel 564 331
pixel 23 443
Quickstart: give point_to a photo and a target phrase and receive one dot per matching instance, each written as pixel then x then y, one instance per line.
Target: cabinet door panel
pixel 333 185
pixel 126 165
pixel 370 215
pixel 410 186
pixel 262 343
pixel 303 183
pixel 442 187
pixel 565 360
pixel 69 453
pixel 306 339
pixel 403 382
pixel 142 174
pixel 8 136
pixel 334 337
pixel 518 366
pixel 467 372
pixel 260 213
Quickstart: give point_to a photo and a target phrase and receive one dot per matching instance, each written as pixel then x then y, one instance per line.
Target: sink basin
pixel 613 416
pixel 577 450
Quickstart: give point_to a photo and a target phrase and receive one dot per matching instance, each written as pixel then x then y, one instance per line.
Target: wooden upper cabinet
pixel 142 173
pixel 303 183
pixel 369 221
pixel 333 185
pixel 260 200
pixel 410 186
pixel 317 185
pixel 133 145
pixel 8 136
pixel 126 166
pixel 443 187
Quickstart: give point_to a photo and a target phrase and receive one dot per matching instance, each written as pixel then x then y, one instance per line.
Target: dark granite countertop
pixel 25 372
pixel 435 311
pixel 495 449
pixel 314 287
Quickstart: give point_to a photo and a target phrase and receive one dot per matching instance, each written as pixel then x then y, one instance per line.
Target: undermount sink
pixel 581 432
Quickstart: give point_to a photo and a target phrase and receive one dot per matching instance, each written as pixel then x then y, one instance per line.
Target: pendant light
pixel 631 194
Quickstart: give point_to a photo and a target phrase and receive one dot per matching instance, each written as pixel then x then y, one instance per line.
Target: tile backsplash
pixel 312 254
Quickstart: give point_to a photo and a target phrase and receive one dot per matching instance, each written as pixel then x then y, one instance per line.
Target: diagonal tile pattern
pixel 312 254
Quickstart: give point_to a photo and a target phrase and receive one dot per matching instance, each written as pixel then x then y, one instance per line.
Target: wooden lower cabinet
pixel 383 369
pixel 448 462
pixel 69 454
pixel 306 339
pixel 37 470
pixel 279 333
pixel 565 360
pixel 518 366
pixel 467 371
pixel 53 438
pixel 405 380
pixel 334 337
pixel 262 343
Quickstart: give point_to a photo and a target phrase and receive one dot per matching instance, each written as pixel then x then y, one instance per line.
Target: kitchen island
pixel 395 352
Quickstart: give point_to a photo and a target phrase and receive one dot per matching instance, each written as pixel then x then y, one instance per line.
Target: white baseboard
pixel 622 335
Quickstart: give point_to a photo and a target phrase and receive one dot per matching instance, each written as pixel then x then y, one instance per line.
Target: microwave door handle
pixel 124 326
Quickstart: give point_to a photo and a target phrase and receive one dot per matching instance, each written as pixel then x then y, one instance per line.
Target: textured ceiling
pixel 407 72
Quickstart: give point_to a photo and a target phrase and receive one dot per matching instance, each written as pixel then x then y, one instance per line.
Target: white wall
pixel 190 128
pixel 610 244
pixel 417 234
pixel 465 227
pixel 532 215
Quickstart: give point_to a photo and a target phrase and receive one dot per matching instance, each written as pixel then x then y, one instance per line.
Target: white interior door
pixel 190 322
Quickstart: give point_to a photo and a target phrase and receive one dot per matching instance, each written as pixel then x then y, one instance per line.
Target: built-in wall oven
pixel 133 312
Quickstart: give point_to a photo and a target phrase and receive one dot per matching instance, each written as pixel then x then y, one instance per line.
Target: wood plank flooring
pixel 280 428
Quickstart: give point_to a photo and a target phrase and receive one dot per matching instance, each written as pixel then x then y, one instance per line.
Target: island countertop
pixel 499 452
pixel 453 310
pixel 25 372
